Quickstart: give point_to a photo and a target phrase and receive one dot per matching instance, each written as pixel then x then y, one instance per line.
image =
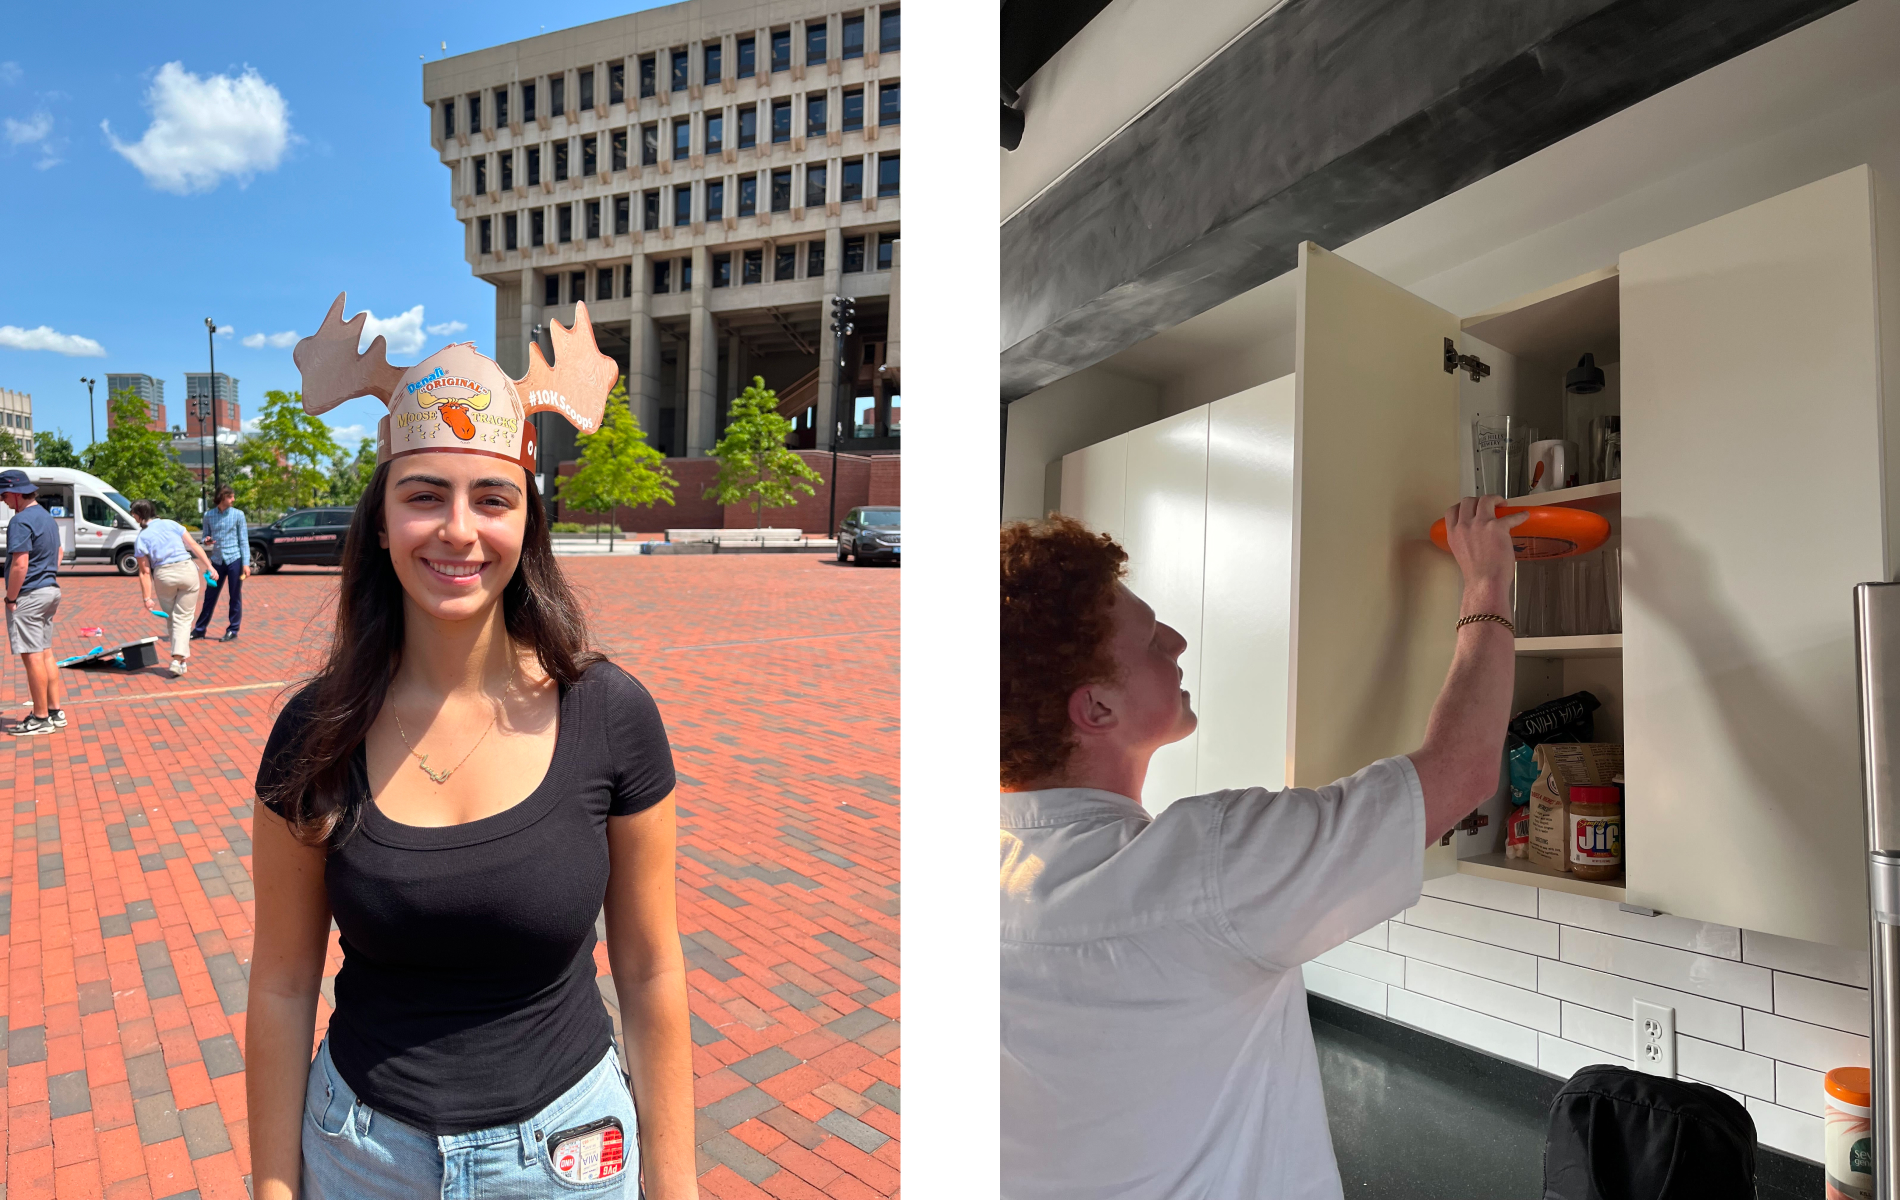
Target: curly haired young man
pixel 1154 1032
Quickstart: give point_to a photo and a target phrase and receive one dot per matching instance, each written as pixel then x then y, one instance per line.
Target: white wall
pixel 1087 407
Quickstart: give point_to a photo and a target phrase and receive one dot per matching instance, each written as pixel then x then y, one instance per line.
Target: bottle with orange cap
pixel 1849 1134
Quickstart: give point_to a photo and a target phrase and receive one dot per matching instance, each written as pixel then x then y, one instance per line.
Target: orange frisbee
pixel 1548 532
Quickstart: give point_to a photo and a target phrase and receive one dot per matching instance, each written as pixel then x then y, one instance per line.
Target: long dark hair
pixel 345 697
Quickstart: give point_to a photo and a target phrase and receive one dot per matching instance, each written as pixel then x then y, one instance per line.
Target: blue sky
pixel 284 158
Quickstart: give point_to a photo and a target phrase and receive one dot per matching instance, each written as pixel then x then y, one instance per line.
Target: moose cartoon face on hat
pixel 458 400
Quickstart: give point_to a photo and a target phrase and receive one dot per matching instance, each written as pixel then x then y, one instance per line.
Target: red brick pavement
pixel 126 923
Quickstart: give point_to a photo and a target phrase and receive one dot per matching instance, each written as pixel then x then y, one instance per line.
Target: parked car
pixel 870 535
pixel 96 524
pixel 303 535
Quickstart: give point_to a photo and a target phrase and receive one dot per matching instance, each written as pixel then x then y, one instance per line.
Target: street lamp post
pixel 92 422
pixel 844 311
pixel 210 408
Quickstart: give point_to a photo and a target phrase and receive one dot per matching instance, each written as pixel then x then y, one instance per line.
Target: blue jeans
pixel 352 1152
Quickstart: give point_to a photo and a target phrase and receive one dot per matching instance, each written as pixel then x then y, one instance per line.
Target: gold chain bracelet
pixel 1475 617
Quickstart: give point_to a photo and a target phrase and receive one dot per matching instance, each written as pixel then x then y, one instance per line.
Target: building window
pixel 623 214
pixel 649 145
pixel 888 28
pixel 604 283
pixel 507 169
pixel 781 120
pixel 715 199
pixel 619 144
pixel 721 270
pixel 501 107
pixel 587 89
pixel 488 235
pixel 527 101
pixel 557 95
pixel 681 69
pixel 534 165
pixel 662 276
pixel 853 37
pixel 590 156
pixel 683 204
pixel 647 81
pixel 626 279
pixel 650 210
pixel 715 63
pixel 560 160
pixel 481 176
pixel 576 286
pixel 853 255
pixel 564 221
pixel 748 195
pixel 814 259
pixel 537 227
pixel 781 50
pixel 852 180
pixel 853 109
pixel 510 232
pixel 686 274
pixel 752 266
pixel 885 243
pixel 475 113
pixel 747 52
pixel 748 127
pixel 887 175
pixel 782 190
pixel 715 132
pixel 550 290
pixel 593 218
pixel 448 118
pixel 815 185
pixel 815 115
pixel 815 41
pixel 617 82
pixel 784 264
pixel 682 137
pixel 888 103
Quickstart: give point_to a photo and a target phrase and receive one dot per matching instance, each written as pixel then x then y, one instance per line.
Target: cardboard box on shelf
pixel 1561 764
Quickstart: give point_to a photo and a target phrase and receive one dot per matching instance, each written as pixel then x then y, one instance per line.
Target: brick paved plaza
pixel 127 916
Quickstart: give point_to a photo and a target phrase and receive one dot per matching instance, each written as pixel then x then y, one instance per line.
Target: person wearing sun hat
pixel 464 786
pixel 32 570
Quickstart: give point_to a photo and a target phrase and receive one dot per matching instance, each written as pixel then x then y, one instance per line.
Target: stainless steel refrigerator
pixel 1877 641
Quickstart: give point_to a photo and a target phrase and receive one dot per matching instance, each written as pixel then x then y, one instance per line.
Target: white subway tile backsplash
pixel 1564 1059
pixel 1374 937
pixel 1822 1003
pixel 1484 995
pixel 1364 960
pixel 1599 1030
pixel 1712 1020
pixel 1474 958
pixel 1486 893
pixel 1525 934
pixel 1345 987
pixel 1786 1130
pixel 1725 1067
pixel 1700 937
pixel 1815 1047
pixel 1717 978
pixel 1807 958
pixel 1800 1089
pixel 1478 1030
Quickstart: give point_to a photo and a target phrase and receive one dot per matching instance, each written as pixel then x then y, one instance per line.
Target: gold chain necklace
pixel 422 760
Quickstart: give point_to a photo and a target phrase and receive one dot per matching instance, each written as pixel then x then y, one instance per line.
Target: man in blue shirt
pixel 32 568
pixel 228 540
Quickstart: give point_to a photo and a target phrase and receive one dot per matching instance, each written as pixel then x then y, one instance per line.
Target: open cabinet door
pixel 1375 604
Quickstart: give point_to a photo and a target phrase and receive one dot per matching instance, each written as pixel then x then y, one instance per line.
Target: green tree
pixel 289 457
pixel 349 475
pixel 137 461
pixel 12 453
pixel 616 466
pixel 756 467
pixel 55 449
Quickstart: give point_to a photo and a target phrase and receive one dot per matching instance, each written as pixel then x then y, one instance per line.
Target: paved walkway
pixel 126 919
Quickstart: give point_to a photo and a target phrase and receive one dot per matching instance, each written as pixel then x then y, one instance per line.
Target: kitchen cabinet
pixel 1755 359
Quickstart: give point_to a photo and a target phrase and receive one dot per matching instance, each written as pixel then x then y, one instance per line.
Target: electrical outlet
pixel 1654 1035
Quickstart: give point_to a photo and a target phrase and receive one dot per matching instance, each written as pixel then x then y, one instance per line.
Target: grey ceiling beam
pixel 1325 121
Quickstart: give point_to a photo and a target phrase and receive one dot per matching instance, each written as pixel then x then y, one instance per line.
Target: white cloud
pixel 10 72
pixel 47 338
pixel 226 330
pixel 257 341
pixel 254 340
pixel 347 436
pixel 447 328
pixel 403 331
pixel 205 129
pixel 33 129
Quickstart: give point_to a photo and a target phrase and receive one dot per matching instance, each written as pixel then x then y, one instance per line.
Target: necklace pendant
pixel 437 776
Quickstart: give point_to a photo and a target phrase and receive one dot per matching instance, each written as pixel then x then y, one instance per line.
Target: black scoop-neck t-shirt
pixel 466 998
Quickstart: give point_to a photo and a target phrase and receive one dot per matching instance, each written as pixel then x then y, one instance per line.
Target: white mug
pixel 1553 465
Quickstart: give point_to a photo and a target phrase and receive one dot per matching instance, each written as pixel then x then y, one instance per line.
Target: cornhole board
pixel 128 656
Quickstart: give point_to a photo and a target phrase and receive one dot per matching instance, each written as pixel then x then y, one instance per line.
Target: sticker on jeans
pixel 589 1153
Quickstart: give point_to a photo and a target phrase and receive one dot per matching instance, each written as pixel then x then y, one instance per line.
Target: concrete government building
pixel 706 176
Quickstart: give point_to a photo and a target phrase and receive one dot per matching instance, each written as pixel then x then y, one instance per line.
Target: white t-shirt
pixel 1155 1038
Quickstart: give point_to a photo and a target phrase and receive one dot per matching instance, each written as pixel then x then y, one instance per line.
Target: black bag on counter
pixel 1616 1134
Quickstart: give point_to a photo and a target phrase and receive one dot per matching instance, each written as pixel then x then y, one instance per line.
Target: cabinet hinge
pixel 1455 362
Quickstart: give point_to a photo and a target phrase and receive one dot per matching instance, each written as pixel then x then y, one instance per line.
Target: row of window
pixel 590 214
pixel 861 252
pixel 679 68
pixel 712 141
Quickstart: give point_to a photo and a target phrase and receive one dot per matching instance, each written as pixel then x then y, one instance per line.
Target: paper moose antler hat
pixel 457 400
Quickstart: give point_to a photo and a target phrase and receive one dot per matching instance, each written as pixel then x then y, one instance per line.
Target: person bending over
pixel 1155 1041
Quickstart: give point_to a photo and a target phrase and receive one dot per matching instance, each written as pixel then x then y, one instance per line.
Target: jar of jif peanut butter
pixel 1596 831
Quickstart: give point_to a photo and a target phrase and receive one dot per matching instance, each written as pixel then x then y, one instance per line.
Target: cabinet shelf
pixel 1587 645
pixel 1594 496
pixel 1523 870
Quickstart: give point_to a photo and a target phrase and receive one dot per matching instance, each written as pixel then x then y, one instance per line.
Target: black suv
pixel 303 535
pixel 871 534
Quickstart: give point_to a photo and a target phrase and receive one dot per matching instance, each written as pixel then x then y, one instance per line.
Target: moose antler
pixel 332 369
pixel 576 386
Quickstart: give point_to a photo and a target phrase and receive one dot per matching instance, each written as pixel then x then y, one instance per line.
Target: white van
pixel 95 522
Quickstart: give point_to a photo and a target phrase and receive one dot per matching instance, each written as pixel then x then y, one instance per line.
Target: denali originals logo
pixel 425 381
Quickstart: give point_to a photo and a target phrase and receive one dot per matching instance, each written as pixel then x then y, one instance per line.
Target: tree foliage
pixel 756 467
pixel 289 461
pixel 350 475
pixel 55 449
pixel 616 467
pixel 12 453
pixel 137 461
